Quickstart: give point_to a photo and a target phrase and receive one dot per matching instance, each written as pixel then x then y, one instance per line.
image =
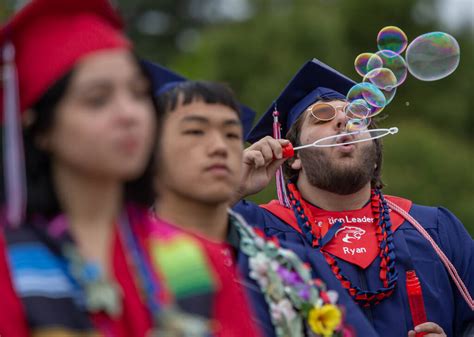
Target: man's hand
pixel 260 162
pixel 431 329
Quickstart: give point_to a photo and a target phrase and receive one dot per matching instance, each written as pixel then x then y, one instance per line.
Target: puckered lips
pixel 346 148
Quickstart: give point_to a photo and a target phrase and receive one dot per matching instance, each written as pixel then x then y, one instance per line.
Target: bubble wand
pixel 289 150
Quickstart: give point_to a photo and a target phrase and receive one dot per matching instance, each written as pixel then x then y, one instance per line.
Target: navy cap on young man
pixel 164 79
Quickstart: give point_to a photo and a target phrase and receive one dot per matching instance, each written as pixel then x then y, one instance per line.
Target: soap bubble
pixel 392 61
pixel 361 61
pixel 392 38
pixel 432 56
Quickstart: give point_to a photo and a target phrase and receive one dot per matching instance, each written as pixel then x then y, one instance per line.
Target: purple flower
pixel 289 277
pixel 304 292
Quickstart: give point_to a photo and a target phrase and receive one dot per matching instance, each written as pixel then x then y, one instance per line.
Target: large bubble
pixel 392 38
pixel 433 56
pixel 392 61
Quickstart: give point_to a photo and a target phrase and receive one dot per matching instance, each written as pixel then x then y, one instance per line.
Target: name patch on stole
pixel 355 241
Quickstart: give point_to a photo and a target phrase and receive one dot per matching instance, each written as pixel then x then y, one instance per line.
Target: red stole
pixel 135 318
pixel 12 317
pixel 355 241
pixel 232 311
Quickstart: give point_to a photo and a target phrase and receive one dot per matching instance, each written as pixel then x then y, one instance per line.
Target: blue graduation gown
pixel 391 318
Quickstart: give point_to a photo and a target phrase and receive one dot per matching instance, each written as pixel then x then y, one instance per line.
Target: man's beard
pixel 342 179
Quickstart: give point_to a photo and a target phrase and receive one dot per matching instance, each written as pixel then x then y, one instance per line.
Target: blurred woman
pixel 81 262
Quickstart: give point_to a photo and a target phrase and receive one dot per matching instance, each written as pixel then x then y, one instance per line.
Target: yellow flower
pixel 323 321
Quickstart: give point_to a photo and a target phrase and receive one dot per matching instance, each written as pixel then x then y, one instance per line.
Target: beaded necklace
pixel 388 275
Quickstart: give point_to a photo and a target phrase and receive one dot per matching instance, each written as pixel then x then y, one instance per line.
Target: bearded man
pixel 335 208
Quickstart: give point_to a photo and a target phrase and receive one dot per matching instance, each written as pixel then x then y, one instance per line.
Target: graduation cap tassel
pixel 13 158
pixel 280 180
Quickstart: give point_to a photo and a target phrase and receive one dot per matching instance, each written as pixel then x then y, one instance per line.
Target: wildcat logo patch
pixel 350 233
pixel 356 240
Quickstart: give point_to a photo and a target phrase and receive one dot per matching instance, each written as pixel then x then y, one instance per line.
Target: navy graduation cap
pixel 314 81
pixel 164 79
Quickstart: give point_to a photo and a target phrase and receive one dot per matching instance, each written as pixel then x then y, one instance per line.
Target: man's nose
pixel 217 144
pixel 341 119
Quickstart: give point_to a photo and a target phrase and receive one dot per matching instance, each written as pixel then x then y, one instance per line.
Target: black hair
pixel 42 198
pixel 189 91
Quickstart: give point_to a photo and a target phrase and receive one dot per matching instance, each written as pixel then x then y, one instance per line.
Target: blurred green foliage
pixel 4 11
pixel 431 159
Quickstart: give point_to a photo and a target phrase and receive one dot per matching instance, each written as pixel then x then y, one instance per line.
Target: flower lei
pixel 298 304
pixel 388 275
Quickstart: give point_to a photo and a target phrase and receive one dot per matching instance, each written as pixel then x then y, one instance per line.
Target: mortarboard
pixel 39 45
pixel 164 79
pixel 314 81
pixel 50 36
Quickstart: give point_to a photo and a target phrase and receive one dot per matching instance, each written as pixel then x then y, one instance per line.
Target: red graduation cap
pixel 39 45
pixel 50 36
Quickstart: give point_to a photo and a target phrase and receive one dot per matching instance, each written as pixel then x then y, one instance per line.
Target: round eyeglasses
pixel 326 112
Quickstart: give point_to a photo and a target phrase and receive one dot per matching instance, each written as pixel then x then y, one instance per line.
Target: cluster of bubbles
pixel 429 57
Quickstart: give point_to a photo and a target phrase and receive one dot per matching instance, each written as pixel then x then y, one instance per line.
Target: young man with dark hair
pixel 336 210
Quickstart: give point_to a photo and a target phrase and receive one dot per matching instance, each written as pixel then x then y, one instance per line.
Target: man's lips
pixel 343 139
pixel 346 148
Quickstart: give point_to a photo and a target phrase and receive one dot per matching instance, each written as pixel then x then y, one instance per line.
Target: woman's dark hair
pixel 190 91
pixel 293 135
pixel 41 195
